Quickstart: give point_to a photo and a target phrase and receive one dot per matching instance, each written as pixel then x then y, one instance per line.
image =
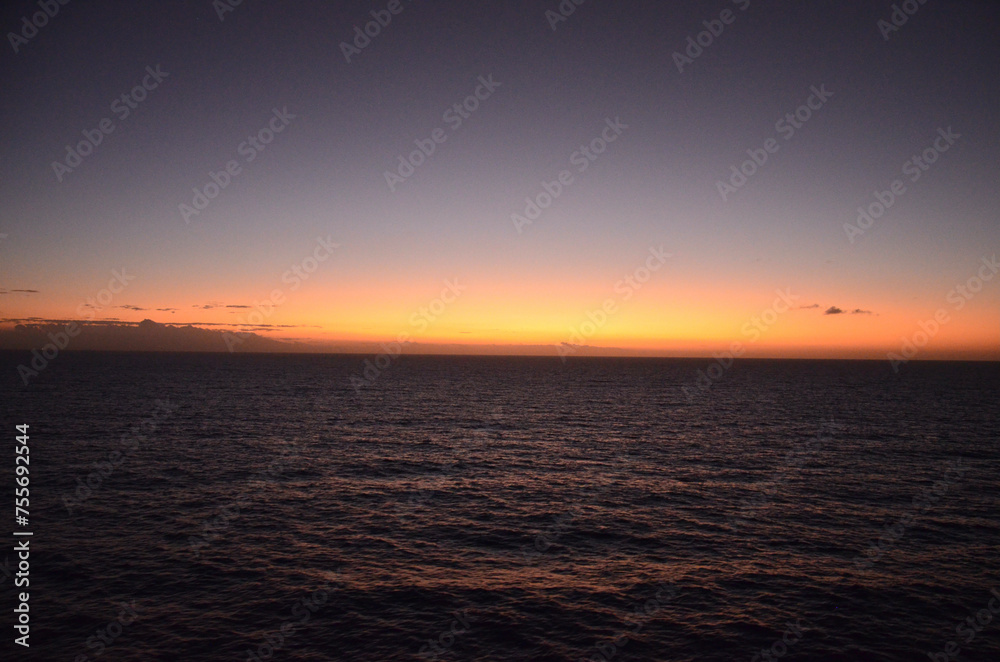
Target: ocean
pixel 264 507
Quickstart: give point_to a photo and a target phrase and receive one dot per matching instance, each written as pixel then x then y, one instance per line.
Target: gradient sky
pixel 656 185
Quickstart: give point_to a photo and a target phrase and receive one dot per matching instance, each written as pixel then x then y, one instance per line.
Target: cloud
pixel 167 310
pixel 834 310
pixel 815 305
pixel 265 326
pixel 132 308
pixel 18 291
pixel 123 323
pixel 217 304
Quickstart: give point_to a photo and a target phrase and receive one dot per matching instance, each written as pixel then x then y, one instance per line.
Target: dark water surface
pixel 506 509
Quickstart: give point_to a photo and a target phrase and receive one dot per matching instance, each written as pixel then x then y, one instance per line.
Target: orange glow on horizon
pixel 660 318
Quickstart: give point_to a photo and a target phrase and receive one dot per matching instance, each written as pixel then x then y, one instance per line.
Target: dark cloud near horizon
pixel 834 310
pixel 116 321
pixel 213 305
pixel 141 309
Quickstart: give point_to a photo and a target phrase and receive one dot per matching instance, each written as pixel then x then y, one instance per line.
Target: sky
pixel 626 123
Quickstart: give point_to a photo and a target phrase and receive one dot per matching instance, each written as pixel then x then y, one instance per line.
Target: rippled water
pixel 507 509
